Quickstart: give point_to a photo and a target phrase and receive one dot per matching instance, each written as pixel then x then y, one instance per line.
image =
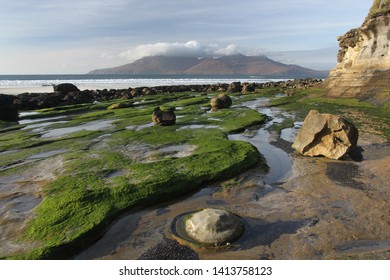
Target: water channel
pixel 147 234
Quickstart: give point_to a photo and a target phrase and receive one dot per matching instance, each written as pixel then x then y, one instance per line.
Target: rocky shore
pixel 68 94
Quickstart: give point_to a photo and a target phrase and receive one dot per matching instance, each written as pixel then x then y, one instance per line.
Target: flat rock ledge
pixel 214 226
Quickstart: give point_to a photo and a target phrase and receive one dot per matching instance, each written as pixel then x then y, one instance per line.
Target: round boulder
pixel 214 226
pixel 221 101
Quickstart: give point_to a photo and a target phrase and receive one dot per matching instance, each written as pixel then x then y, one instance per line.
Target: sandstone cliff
pixel 363 69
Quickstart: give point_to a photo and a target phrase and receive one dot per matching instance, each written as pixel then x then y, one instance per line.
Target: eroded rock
pixel 214 226
pixel 326 135
pixel 363 69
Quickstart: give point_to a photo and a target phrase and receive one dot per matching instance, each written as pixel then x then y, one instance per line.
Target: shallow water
pixel 197 126
pixel 39 120
pixel 134 234
pixel 289 134
pixel 90 126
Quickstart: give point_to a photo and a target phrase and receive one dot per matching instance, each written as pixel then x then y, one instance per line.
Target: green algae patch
pixel 77 206
pixel 124 167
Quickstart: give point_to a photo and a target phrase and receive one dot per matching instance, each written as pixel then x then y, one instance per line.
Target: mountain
pixel 225 65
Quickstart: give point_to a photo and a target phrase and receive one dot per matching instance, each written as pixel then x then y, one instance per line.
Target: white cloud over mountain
pixel 188 49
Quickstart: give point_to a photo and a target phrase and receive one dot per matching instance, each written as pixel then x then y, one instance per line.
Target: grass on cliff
pixel 83 201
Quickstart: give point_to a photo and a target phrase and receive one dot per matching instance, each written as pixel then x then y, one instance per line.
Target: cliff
pixel 363 69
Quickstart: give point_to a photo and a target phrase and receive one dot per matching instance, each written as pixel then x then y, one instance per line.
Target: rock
pixel 248 88
pixel 235 87
pixel 363 69
pixel 163 117
pixel 116 106
pixel 289 92
pixel 221 101
pixel 65 88
pixel 214 226
pixel 78 97
pixel 326 135
pixel 8 109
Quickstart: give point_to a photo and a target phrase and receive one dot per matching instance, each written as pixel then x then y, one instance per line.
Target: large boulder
pixel 65 88
pixel 221 101
pixel 214 226
pixel 326 135
pixel 8 110
pixel 164 117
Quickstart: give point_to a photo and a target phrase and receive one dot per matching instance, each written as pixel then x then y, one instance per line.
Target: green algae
pixel 84 199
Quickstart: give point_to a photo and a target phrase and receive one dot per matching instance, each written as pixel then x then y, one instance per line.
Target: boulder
pixel 8 110
pixel 235 87
pixel 65 88
pixel 163 117
pixel 326 135
pixel 221 101
pixel 214 226
pixel 248 88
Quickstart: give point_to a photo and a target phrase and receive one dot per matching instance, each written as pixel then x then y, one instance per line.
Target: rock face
pixel 163 117
pixel 326 135
pixel 363 69
pixel 221 101
pixel 214 226
pixel 8 110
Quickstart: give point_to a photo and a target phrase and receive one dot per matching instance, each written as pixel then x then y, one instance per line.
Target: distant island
pixel 225 65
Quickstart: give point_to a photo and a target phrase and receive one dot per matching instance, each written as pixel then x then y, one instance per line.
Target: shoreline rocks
pixel 66 94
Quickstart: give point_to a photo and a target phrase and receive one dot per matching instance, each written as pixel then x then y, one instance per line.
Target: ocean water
pixel 14 84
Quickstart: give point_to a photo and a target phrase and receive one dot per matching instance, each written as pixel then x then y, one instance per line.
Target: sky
pixel 77 36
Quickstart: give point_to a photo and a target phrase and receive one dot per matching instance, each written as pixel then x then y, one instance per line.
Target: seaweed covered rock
pixel 8 110
pixel 326 135
pixel 214 226
pixel 221 101
pixel 164 117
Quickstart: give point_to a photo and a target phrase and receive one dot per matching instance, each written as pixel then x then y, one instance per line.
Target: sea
pixel 15 84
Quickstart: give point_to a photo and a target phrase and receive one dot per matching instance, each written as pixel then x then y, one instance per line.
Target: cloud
pixel 188 49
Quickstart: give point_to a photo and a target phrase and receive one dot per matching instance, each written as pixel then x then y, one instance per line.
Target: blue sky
pixel 51 36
